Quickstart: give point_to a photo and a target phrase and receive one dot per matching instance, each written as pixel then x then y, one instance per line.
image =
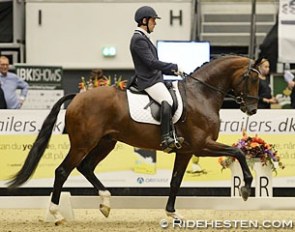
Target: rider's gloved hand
pixel 180 71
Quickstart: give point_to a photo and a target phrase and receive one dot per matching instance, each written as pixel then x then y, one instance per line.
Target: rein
pixel 185 75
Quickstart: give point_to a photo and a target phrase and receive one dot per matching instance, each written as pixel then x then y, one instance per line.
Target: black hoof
pixel 245 192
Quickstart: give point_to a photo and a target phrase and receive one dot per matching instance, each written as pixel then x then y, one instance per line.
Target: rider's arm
pixel 142 48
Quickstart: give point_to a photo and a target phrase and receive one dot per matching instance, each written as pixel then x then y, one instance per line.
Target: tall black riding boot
pixel 166 138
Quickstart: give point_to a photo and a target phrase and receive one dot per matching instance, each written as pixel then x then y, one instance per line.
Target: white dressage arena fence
pixel 68 203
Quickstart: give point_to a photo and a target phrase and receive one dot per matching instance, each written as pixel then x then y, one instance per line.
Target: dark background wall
pixel 6 26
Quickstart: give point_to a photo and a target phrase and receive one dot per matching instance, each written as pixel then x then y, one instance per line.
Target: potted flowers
pixel 95 81
pixel 255 149
pixel 262 157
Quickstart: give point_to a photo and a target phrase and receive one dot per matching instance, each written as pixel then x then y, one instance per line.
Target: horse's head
pixel 246 86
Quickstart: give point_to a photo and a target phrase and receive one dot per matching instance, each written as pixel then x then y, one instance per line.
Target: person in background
pixel 265 96
pixel 149 70
pixel 3 104
pixel 10 82
pixel 96 74
pixel 96 79
pixel 289 78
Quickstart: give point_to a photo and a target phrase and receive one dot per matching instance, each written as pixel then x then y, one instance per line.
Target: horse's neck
pixel 203 94
pixel 222 74
pixel 212 83
pixel 217 82
pixel 216 79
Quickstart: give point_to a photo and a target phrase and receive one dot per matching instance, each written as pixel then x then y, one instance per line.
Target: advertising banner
pixel 27 121
pixel 41 77
pixel 45 85
pixel 124 167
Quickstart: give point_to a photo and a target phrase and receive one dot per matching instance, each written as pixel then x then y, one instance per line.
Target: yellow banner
pixel 124 167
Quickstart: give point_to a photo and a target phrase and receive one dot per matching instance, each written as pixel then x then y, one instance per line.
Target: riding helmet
pixel 145 12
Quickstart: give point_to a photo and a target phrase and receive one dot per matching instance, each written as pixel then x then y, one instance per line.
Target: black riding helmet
pixel 145 12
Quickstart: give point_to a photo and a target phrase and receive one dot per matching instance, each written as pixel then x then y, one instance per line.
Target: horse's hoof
pixel 174 215
pixel 105 210
pixel 245 192
pixel 60 222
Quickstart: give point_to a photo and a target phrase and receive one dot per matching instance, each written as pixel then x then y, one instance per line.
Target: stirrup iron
pixel 177 141
pixel 177 144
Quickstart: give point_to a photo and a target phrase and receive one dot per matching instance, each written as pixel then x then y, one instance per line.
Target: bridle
pixel 240 97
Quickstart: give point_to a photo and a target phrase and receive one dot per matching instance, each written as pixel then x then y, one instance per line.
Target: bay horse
pixel 96 119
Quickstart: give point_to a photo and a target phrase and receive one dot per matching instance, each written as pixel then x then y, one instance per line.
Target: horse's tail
pixel 39 145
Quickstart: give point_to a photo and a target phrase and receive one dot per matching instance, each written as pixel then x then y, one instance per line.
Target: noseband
pixel 240 98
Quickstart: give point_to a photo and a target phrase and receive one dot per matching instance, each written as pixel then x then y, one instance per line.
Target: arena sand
pixel 90 220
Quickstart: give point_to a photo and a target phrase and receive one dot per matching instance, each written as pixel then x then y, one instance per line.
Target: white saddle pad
pixel 137 102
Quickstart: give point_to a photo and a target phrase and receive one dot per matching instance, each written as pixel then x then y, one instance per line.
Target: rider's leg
pixel 160 94
pixel 166 138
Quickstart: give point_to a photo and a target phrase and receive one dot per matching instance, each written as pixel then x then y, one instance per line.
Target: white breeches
pixel 159 93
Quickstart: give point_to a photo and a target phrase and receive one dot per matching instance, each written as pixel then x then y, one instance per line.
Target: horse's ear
pixel 258 61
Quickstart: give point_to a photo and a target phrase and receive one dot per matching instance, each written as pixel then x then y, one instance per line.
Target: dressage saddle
pixel 155 106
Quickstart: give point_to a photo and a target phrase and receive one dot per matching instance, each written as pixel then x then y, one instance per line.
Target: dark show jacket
pixel 264 92
pixel 148 69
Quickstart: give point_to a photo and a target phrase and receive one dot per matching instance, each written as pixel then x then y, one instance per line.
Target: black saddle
pixel 155 106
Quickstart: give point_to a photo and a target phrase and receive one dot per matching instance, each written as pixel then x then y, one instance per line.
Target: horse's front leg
pixel 180 165
pixel 218 149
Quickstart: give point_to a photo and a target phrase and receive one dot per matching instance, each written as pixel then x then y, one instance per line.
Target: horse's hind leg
pixel 61 174
pixel 180 165
pixel 87 166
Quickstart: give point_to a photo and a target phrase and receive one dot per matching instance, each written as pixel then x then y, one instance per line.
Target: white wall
pixel 73 34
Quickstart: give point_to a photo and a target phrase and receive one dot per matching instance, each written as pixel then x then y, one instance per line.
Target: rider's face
pixel 152 23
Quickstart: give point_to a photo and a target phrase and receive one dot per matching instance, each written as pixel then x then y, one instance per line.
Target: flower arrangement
pixel 103 81
pixel 255 148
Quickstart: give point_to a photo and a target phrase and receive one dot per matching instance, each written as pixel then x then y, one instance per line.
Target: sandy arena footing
pixel 90 220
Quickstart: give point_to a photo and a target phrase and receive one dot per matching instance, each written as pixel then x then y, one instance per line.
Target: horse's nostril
pixel 251 112
pixel 254 111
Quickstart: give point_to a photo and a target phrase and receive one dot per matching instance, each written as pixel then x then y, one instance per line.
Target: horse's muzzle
pixel 254 111
pixel 249 110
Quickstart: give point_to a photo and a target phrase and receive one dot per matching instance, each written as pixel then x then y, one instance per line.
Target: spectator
pixel 10 82
pixel 96 79
pixel 289 78
pixel 96 74
pixel 2 99
pixel 265 96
